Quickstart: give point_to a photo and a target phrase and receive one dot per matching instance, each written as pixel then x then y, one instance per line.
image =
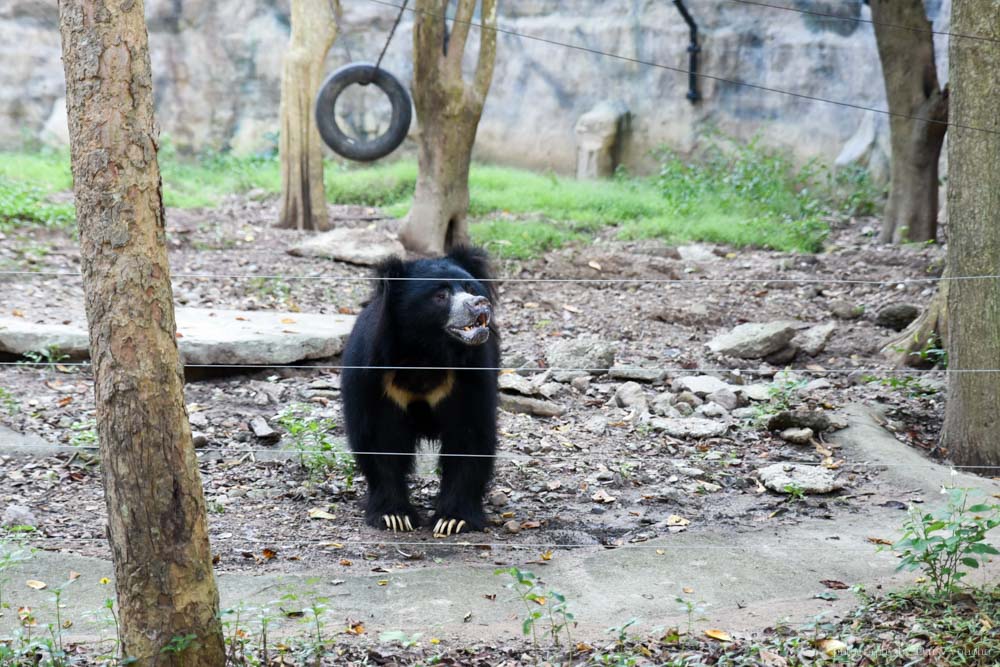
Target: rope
pixel 392 31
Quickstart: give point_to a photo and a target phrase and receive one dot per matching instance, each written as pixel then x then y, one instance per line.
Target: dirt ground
pixel 551 468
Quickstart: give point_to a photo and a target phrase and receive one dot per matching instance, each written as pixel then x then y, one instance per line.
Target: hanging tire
pixel 326 118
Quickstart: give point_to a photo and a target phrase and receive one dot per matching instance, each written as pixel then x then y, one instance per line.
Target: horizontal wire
pixel 338 544
pixel 557 369
pixel 813 12
pixel 681 70
pixel 684 281
pixel 516 457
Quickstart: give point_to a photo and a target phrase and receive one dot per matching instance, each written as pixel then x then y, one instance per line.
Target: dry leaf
pixel 675 520
pixel 771 659
pixel 594 265
pixel 547 555
pixel 539 600
pixel 320 513
pixel 571 308
pixel 527 525
pixel 688 590
pixel 383 582
pixel 356 628
pixel 17 313
pixel 269 554
pixel 288 320
pixel 879 540
pixel 831 646
pixel 242 319
pixel 64 401
pixel 37 585
pixel 73 576
pixel 345 562
pixel 720 635
pixel 834 584
pixel 602 497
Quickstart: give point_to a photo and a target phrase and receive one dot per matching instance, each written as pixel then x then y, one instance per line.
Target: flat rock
pixel 897 316
pixel 263 430
pixel 725 397
pixel 812 419
pixel 754 340
pixel 756 392
pixel 689 427
pixel 844 310
pixel 700 385
pixel 797 436
pixel 206 336
pixel 585 355
pixel 530 406
pixel 354 246
pixel 637 374
pixel 813 340
pixel 631 397
pixel 784 477
pixel 18 515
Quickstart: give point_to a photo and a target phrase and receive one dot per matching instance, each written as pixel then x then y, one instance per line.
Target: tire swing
pixel 364 74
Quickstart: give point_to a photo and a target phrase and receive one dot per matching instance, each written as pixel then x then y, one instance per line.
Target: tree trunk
pixel 448 112
pixel 972 416
pixel 911 87
pixel 303 197
pixel 927 332
pixel 156 510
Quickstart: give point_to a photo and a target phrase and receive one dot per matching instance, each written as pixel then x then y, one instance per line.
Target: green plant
pixel 795 493
pixel 551 606
pixel 318 454
pixel 908 384
pixel 83 433
pixel 400 637
pixel 942 542
pixel 8 402
pixel 177 645
pixel 13 552
pixel 49 355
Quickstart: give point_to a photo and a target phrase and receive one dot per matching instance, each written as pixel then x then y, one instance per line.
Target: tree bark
pixel 972 415
pixel 929 331
pixel 911 87
pixel 156 509
pixel 303 197
pixel 448 112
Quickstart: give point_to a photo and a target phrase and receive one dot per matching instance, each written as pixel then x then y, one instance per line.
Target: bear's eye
pixel 441 295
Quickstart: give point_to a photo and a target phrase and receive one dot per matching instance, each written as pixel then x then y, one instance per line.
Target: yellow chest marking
pixel 403 397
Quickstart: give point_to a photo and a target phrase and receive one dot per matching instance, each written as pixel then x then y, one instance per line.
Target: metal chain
pixel 392 32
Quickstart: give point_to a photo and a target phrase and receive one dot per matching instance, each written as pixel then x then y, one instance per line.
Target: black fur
pixel 404 325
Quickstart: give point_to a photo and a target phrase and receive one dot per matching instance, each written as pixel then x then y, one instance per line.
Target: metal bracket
pixel 693 49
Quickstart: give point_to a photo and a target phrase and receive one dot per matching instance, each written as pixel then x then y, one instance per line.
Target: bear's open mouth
pixel 474 333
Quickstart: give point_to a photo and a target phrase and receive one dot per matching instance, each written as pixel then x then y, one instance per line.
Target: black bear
pixel 434 316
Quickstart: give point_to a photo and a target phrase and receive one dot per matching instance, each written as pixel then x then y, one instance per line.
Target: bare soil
pixel 551 468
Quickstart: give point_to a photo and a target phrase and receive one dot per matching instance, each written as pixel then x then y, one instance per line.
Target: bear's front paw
pixel 446 526
pixel 397 523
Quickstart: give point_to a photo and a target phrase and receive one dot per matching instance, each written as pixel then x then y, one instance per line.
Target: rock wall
pixel 217 66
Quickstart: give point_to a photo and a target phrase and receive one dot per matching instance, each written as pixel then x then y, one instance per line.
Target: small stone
pixel 813 340
pixel 199 439
pixel 756 392
pixel 199 419
pixel 263 430
pixel 700 385
pixel 689 398
pixel 18 515
pixel 605 475
pixel 512 527
pixel 725 397
pixel 789 477
pixel 581 384
pixel 713 410
pixel 596 425
pixel 653 375
pixel 744 413
pixel 815 385
pixel 691 427
pixel 684 409
pixel 531 406
pixel 797 436
pixel 843 310
pixel 584 355
pixel 517 384
pixel 498 499
pixel 897 316
pixel 631 397
pixel 783 356
pixel 813 419
pixel 663 405
pixel 754 340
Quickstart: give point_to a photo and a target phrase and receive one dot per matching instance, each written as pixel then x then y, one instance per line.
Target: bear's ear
pixel 387 270
pixel 477 263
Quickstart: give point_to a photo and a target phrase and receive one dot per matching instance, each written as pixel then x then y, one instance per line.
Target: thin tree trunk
pixel 303 197
pixel 448 112
pixel 972 417
pixel 156 510
pixel 911 87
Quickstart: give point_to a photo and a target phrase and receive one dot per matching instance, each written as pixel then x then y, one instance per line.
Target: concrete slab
pixel 206 336
pixel 742 580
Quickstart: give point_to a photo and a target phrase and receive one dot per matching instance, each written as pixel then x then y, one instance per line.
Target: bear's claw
pixel 397 523
pixel 446 527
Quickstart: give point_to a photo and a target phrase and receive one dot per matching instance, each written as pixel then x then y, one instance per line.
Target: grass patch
pixel 736 193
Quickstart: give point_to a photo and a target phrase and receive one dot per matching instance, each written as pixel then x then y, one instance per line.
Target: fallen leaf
pixel 547 555
pixel 571 308
pixel 675 520
pixel 269 554
pixel 720 635
pixel 37 585
pixel 73 576
pixel 688 590
pixel 320 513
pixel 771 659
pixel 104 581
pixel 17 313
pixel 383 582
pixel 345 562
pixel 178 335
pixel 356 628
pixel 242 319
pixel 528 525
pixel 539 600
pixel 64 401
pixel 879 540
pixel 834 584
pixel 288 320
pixel 831 646
pixel 594 265
pixel 602 496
